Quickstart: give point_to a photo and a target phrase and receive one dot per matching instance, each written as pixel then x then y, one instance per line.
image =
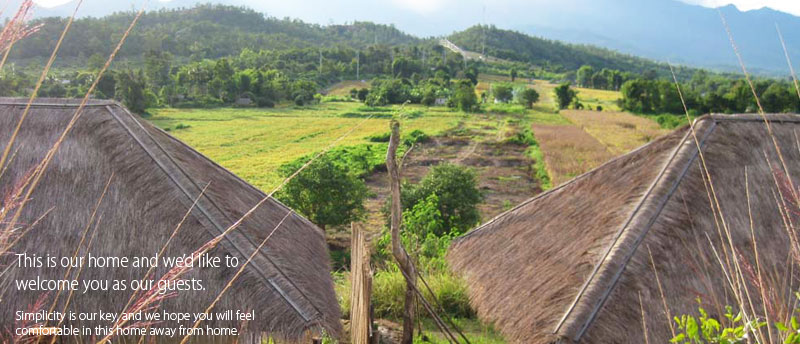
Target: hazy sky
pixel 790 6
pixel 431 6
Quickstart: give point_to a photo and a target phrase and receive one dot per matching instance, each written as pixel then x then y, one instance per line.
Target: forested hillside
pixel 206 31
pixel 557 56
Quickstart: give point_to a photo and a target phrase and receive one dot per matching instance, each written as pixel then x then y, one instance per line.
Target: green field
pixel 253 143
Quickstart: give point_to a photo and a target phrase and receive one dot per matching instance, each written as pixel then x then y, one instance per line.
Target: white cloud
pixel 790 6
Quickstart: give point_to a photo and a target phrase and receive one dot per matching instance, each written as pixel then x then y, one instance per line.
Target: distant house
pixel 441 101
pixel 576 263
pixel 156 181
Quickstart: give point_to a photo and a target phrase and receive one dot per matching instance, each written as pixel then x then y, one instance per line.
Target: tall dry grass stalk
pixel 16 29
pixel 759 295
pixel 39 82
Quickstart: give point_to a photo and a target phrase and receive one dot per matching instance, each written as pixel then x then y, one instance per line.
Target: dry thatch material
pixel 569 265
pixel 156 179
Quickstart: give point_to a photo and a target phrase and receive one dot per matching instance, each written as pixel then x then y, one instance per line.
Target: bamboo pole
pixel 360 288
pixel 400 254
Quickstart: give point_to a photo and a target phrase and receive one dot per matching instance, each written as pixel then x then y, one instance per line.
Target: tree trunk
pixel 400 254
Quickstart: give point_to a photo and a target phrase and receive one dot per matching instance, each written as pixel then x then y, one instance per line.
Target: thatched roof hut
pixel 571 264
pixel 156 178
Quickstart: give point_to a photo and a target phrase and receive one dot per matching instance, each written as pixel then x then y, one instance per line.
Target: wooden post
pixel 399 253
pixel 360 288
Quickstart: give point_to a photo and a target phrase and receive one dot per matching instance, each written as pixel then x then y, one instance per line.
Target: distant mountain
pixel 657 29
pixel 672 30
pixel 517 46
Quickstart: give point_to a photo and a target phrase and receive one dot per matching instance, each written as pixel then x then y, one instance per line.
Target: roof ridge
pixel 309 318
pixel 559 187
pixel 571 325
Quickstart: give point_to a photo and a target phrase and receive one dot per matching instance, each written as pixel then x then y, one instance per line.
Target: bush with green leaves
pixel 527 97
pixel 456 189
pixel 733 329
pixel 464 97
pixel 502 92
pixel 564 95
pixel 325 192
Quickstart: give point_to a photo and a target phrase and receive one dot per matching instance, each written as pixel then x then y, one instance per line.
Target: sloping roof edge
pixel 209 214
pixel 582 312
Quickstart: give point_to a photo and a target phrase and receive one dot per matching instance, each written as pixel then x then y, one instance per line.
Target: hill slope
pixel 517 46
pixel 205 31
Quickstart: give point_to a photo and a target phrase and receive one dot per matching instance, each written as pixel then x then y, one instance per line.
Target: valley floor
pixel 255 143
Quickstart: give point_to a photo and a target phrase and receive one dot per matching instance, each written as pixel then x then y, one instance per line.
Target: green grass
pixel 473 329
pixel 254 143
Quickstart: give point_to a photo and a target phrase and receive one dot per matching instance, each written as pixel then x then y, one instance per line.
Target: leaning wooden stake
pixel 398 251
pixel 361 288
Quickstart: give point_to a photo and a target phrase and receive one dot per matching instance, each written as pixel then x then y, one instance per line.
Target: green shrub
pixel 506 109
pixel 334 99
pixel 380 137
pixel 523 137
pixel 182 126
pixel 458 193
pixel 389 286
pixel 416 136
pixel 527 97
pixel 667 121
pixel 325 192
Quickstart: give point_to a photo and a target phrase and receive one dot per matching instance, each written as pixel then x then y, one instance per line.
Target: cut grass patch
pixel 621 132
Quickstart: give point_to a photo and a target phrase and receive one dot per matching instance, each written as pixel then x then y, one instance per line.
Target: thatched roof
pixel 570 264
pixel 155 180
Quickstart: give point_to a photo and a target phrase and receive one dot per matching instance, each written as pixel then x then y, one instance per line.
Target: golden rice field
pixel 589 97
pixel 619 131
pixel 254 143
pixel 569 151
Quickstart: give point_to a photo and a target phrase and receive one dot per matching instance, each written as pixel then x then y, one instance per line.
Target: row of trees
pixel 420 74
pixel 706 94
pixel 604 79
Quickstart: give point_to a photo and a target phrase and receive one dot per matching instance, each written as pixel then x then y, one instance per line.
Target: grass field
pixel 253 143
pixel 619 131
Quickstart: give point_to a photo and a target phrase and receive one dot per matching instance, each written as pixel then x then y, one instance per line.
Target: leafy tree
pixel 157 67
pixel 106 87
pixel 502 92
pixel 362 94
pixel 424 217
pixel 639 96
pixel 528 96
pixel 458 196
pixel 584 76
pixel 130 89
pixel 325 192
pixel 472 74
pixel 777 98
pixel 565 95
pixel 96 61
pixel 464 97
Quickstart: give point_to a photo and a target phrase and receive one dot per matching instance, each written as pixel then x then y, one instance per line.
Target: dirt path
pixel 504 171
